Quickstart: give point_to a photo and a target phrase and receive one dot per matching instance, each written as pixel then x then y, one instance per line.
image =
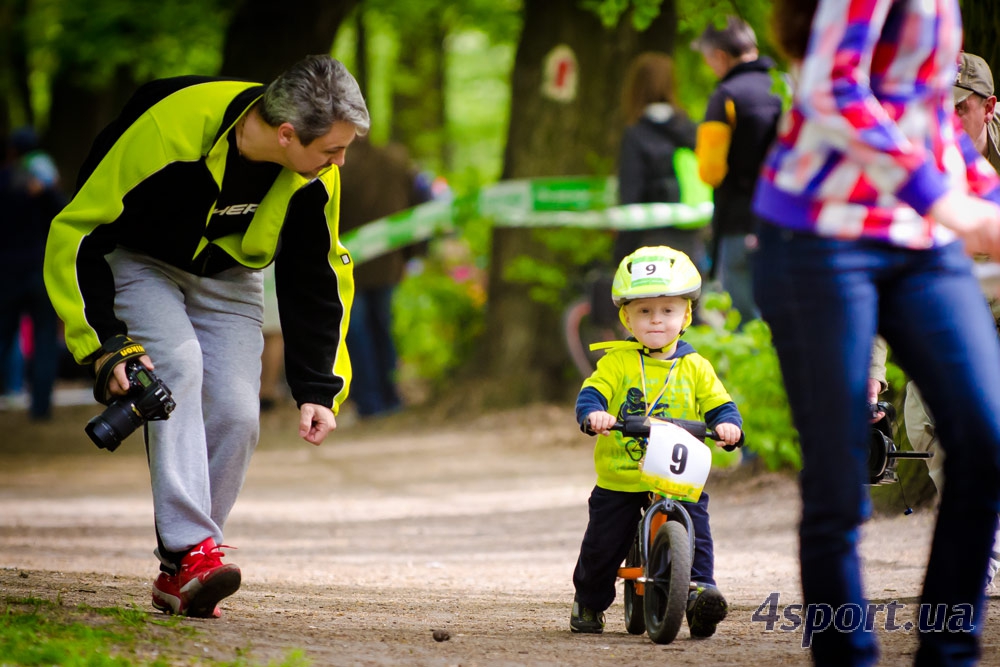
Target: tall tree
pixel 264 39
pixel 96 53
pixel 418 105
pixel 551 136
pixel 981 19
pixel 15 108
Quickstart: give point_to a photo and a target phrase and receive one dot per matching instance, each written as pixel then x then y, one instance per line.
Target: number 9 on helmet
pixel 654 271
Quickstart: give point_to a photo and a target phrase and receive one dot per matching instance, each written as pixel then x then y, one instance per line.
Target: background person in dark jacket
pixel 656 128
pixel 29 198
pixel 379 181
pixel 739 126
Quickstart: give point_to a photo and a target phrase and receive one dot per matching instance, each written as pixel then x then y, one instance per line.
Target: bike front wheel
pixel 669 577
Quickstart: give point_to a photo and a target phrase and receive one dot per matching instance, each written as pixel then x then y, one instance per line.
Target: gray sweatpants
pixel 204 338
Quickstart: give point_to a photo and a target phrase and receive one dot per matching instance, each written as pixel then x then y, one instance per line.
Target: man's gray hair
pixel 737 38
pixel 312 95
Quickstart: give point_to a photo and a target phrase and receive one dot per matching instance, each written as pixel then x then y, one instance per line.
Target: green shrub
pixel 747 364
pixel 437 314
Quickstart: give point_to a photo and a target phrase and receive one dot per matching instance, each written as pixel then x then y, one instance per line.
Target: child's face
pixel 656 322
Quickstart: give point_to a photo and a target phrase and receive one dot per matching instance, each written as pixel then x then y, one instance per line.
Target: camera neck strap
pixel 122 348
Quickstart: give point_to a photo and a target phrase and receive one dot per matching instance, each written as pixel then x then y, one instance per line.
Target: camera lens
pixel 118 422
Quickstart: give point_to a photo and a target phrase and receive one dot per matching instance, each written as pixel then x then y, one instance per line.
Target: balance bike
pixel 657 570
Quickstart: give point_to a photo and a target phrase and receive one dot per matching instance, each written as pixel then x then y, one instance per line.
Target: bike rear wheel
pixel 635 618
pixel 669 578
pixel 579 331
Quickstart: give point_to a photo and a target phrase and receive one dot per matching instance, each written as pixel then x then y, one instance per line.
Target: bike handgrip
pixel 739 443
pixel 637 426
pixel 633 426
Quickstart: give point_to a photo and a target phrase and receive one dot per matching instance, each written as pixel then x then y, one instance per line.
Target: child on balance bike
pixel 658 375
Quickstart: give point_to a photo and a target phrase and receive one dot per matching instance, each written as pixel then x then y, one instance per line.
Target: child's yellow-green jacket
pixel 693 391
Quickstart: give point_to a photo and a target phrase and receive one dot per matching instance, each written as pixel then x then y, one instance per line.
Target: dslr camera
pixel 882 450
pixel 148 399
pixel 883 453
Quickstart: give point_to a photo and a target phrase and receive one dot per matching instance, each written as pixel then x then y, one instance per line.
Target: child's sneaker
pixel 706 609
pixel 586 620
pixel 199 585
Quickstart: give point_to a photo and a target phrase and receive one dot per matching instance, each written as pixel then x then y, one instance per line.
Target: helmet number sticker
pixel 654 268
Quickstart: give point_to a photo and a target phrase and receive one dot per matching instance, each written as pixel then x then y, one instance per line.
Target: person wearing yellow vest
pixel 656 374
pixel 198 185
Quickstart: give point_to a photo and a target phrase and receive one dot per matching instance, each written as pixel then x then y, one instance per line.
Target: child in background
pixel 656 374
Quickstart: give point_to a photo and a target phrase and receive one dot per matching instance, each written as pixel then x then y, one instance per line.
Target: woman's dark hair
pixel 791 24
pixel 649 79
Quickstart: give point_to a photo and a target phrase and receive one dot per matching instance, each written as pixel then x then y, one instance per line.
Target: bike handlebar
pixel 637 426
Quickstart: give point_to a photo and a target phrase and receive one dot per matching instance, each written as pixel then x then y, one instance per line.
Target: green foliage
pixel 477 95
pixel 150 37
pixel 40 632
pixel 478 50
pixel 553 281
pixel 499 19
pixel 438 313
pixel 610 11
pixel 36 637
pixel 747 364
pixel 99 39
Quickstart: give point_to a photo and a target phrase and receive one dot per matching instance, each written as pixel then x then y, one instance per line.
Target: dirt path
pixel 355 551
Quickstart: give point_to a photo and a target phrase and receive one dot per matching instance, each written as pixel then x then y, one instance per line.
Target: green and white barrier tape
pixel 586 203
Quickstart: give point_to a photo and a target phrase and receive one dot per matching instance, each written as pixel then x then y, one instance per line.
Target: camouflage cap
pixel 973 76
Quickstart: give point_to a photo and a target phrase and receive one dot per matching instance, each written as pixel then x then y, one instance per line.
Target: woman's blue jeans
pixel 824 300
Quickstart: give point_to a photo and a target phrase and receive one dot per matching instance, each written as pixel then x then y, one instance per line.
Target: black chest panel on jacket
pixel 244 186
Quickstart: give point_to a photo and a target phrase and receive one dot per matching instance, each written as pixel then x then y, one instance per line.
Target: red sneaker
pixel 199 585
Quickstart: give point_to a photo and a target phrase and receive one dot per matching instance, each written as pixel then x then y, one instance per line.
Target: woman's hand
pixel 975 221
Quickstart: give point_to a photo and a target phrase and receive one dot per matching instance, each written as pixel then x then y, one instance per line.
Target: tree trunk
pixel 981 20
pixel 264 39
pixel 418 94
pixel 260 44
pixel 523 351
pixel 15 108
pixel 77 114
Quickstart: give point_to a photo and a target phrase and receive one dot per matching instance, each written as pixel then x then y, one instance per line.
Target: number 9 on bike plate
pixel 676 463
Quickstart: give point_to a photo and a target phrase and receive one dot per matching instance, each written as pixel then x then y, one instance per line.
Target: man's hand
pixel 315 422
pixel 874 387
pixel 118 384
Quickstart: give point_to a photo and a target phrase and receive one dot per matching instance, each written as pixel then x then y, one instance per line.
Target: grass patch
pixel 36 631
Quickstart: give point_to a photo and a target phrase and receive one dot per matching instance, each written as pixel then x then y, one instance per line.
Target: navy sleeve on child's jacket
pixel 589 400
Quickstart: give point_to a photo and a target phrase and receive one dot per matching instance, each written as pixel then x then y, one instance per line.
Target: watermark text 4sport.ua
pixel 816 618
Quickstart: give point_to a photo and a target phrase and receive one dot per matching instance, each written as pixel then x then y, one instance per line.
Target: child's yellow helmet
pixel 655 271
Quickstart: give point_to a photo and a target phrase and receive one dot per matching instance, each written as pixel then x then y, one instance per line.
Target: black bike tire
pixel 635 617
pixel 666 591
pixel 572 318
